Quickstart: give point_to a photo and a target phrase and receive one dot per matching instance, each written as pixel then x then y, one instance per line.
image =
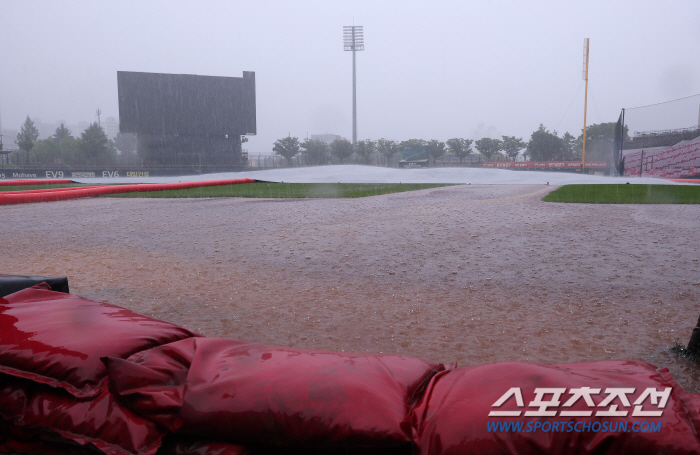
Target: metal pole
pixel 354 92
pixel 641 163
pixel 585 109
pixel 622 136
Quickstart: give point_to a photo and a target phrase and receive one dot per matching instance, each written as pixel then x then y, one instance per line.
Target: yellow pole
pixel 585 105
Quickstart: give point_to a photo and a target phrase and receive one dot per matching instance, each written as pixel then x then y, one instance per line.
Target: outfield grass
pixel 285 190
pixel 626 194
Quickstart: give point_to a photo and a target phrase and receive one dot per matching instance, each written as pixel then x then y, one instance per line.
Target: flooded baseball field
pixel 469 273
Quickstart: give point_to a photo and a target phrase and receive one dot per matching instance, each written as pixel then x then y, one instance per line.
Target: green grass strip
pixel 286 190
pixel 626 194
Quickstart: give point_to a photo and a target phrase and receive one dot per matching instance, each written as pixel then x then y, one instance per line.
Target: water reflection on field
pixel 472 273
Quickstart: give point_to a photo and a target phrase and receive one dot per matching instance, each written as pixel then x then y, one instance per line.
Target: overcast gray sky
pixel 431 70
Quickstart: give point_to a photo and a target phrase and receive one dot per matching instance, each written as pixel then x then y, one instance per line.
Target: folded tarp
pixel 254 394
pixel 12 283
pixel 611 407
pixel 32 440
pixel 102 376
pixel 60 194
pixel 186 446
pixel 57 339
pixel 101 422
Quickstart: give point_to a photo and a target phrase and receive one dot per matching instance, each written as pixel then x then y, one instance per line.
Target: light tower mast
pixel 585 102
pixel 353 40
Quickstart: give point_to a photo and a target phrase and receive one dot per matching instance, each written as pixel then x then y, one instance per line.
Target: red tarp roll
pixel 606 407
pixel 195 447
pixel 101 421
pixel 58 339
pixel 80 192
pixel 249 393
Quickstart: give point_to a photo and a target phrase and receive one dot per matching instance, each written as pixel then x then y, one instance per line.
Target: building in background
pixel 110 125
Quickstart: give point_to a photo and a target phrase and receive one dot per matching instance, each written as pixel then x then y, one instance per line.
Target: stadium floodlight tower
pixel 353 40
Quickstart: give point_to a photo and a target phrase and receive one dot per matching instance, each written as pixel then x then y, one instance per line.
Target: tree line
pixel 542 146
pixel 91 148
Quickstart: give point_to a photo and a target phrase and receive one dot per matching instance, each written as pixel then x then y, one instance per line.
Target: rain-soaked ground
pixel 472 273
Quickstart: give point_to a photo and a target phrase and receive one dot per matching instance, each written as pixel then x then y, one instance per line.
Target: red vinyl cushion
pixel 251 393
pixel 199 447
pixel 453 414
pixel 39 447
pixel 101 422
pixel 58 339
pixel 15 440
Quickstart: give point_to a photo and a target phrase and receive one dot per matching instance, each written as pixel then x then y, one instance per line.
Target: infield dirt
pixel 471 273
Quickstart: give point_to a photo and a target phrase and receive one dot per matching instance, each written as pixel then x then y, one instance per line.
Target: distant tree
pixel 460 147
pixel 488 147
pixel 95 146
pixel 387 148
pixel 316 151
pixel 413 143
pixel 365 149
pixel 569 144
pixel 511 146
pixel 70 151
pixel 27 136
pixel 47 151
pixel 341 149
pixel 544 146
pixel 436 149
pixel 125 142
pixel 287 147
pixel 600 139
pixel 61 132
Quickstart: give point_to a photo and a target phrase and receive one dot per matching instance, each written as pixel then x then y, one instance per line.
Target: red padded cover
pixel 453 414
pixel 14 439
pixel 251 393
pixel 58 339
pixel 102 421
pixel 199 447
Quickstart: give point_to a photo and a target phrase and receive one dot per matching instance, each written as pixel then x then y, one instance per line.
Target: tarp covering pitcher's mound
pixel 84 377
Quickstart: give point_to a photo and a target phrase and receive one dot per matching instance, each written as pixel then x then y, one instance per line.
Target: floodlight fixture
pixel 353 40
